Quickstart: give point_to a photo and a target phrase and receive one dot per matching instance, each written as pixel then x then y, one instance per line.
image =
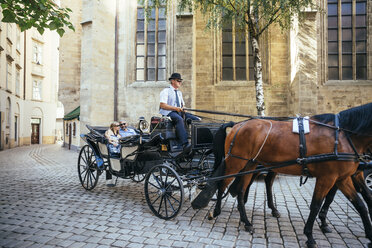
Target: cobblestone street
pixel 42 204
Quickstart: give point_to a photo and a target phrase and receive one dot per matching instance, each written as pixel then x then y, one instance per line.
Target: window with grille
pixel 18 79
pixel 36 89
pixel 37 56
pixel 237 59
pixel 151 45
pixel 347 39
pixel 8 75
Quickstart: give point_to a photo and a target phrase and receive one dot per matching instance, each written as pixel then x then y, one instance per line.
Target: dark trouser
pixel 180 125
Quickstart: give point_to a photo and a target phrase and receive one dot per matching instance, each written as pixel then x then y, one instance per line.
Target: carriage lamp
pixel 143 125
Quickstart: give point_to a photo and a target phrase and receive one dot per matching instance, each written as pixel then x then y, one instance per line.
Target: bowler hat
pixel 175 76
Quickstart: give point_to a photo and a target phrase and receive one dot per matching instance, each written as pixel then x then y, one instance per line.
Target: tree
pixel 253 15
pixel 41 14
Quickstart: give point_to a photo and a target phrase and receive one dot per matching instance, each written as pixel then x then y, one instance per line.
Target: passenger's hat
pixel 175 76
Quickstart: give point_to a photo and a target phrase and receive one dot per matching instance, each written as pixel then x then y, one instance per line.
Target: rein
pixel 280 118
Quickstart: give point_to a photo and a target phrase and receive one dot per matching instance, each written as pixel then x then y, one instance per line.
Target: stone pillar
pixel 97 63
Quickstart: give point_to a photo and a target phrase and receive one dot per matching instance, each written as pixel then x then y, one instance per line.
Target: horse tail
pixel 204 197
pixel 219 145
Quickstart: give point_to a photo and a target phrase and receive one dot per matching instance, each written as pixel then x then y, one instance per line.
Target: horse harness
pixel 303 160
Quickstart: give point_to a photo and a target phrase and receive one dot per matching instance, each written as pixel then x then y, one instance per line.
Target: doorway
pixel 35 131
pixel 16 142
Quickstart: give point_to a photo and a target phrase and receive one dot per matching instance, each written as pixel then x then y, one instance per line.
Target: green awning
pixel 73 114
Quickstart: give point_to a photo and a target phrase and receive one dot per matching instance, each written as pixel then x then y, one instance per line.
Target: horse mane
pixel 324 118
pixel 358 119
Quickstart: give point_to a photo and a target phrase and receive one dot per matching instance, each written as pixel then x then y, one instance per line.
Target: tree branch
pixel 272 19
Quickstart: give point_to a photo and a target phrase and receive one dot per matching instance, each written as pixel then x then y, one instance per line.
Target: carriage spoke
pixel 155 199
pixel 156 179
pixel 161 202
pixel 170 183
pixel 84 160
pixel 85 168
pixel 87 179
pixel 174 199
pixel 85 176
pixel 154 185
pixel 94 177
pixel 90 177
pixel 165 205
pixel 170 204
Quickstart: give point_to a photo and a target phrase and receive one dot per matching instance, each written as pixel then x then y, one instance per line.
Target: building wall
pixel 16 93
pixel 69 59
pixel 294 67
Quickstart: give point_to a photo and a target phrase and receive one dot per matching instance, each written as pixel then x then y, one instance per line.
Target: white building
pixel 28 86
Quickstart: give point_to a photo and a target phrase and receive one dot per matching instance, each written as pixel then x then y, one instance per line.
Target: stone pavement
pixel 42 204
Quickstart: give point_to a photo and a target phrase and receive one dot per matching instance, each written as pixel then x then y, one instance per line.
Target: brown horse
pixel 271 142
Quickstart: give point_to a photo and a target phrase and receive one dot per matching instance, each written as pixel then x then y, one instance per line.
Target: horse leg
pixel 322 187
pixel 241 207
pixel 347 188
pixel 361 187
pixel 217 208
pixel 323 212
pixel 254 176
pixel 269 180
pixel 221 189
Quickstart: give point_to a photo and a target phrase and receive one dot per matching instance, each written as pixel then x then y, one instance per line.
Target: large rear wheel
pixel 164 191
pixel 87 168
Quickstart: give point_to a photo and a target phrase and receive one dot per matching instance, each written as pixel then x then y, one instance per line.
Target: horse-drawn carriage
pixel 331 152
pixel 154 156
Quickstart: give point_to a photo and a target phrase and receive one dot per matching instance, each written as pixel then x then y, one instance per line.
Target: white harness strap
pixel 305 123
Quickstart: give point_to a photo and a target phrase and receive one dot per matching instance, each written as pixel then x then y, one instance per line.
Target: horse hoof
pixel 210 216
pixel 311 244
pixel 249 229
pixel 326 229
pixel 275 213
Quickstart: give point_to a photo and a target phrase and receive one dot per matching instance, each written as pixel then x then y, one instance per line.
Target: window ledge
pixel 149 84
pixel 348 82
pixel 234 83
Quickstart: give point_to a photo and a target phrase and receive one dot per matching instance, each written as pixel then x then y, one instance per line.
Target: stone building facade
pixel 28 86
pixel 125 62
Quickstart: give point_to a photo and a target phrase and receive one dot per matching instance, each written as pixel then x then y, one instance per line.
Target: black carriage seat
pixel 164 126
pixel 153 141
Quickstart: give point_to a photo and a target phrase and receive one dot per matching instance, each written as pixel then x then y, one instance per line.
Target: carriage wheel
pixel 164 191
pixel 87 168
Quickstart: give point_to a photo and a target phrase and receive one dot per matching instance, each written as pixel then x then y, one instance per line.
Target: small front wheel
pixel 138 177
pixel 87 168
pixel 164 191
pixel 368 178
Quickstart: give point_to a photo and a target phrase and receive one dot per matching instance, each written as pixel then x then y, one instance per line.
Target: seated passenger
pixel 113 137
pixel 125 130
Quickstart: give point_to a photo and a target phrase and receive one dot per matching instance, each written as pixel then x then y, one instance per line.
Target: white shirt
pixel 168 96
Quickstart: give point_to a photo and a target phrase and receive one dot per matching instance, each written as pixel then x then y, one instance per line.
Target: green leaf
pixel 52 26
pixel 60 31
pixel 8 16
pixel 40 29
